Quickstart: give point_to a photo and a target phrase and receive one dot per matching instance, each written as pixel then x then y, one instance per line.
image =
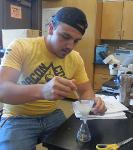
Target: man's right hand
pixel 58 88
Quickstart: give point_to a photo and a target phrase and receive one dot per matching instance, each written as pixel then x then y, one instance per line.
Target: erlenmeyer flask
pixel 83 134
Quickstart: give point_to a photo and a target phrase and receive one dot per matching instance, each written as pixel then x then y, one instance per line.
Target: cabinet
pixel 117 20
pixel 101 75
pixel 127 22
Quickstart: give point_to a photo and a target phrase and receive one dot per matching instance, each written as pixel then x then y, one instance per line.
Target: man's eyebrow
pixel 66 34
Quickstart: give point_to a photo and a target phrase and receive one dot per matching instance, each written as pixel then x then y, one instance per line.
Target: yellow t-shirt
pixel 37 65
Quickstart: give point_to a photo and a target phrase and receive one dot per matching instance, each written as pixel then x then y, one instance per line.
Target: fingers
pixel 69 84
pixel 99 107
pixel 63 87
pixel 58 88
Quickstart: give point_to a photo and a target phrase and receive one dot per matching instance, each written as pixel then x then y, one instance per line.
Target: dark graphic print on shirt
pixel 46 72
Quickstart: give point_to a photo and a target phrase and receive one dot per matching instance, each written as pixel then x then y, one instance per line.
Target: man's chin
pixel 61 56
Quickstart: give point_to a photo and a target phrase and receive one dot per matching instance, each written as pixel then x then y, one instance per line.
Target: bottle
pixel 126 82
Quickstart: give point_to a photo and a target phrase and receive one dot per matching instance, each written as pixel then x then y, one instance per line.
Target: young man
pixel 35 73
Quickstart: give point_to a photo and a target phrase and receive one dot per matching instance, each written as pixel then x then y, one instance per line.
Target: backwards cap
pixel 73 17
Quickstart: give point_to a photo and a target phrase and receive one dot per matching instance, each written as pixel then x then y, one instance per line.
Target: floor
pixel 66 106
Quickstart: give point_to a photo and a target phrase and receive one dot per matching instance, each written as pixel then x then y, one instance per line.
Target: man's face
pixel 63 38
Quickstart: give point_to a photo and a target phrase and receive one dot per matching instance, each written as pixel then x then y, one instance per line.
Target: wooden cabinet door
pixel 111 20
pixel 127 23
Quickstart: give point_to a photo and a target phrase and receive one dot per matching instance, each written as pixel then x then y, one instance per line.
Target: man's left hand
pixel 99 106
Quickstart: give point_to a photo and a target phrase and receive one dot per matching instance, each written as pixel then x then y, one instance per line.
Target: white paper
pixel 113 105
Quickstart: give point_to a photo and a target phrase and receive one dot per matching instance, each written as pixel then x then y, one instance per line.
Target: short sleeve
pixel 13 55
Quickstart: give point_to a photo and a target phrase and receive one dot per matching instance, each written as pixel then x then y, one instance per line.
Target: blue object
pixel 23 132
pixel 2 52
pixel 101 53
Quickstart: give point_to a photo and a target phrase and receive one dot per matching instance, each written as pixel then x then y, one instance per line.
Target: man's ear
pixel 50 28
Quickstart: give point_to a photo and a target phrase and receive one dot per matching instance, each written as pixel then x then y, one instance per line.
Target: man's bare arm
pixel 86 91
pixel 13 93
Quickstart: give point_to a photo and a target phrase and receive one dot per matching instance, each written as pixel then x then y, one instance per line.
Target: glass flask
pixel 83 134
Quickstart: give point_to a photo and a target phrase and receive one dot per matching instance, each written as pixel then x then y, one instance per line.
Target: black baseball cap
pixel 72 16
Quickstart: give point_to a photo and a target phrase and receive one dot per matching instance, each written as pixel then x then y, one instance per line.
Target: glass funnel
pixel 83 108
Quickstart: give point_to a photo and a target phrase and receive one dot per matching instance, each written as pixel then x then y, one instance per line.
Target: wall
pixel 87 44
pixel 31 16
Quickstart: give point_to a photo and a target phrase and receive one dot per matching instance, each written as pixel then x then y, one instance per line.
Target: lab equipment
pixel 114 146
pixel 113 64
pixel 126 88
pixel 113 84
pixel 119 63
pixel 77 95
